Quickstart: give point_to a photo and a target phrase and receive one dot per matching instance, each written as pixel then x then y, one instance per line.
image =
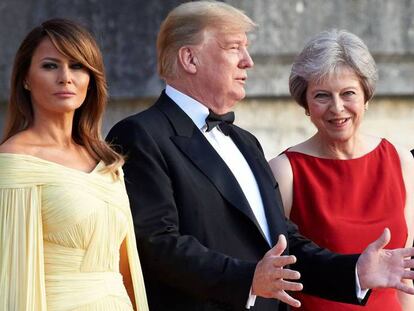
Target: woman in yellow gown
pixel 66 234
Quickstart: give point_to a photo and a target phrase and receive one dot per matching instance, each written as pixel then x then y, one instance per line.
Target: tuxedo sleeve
pixel 323 273
pixel 167 255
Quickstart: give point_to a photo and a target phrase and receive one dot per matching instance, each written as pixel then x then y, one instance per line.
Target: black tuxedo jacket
pixel 198 239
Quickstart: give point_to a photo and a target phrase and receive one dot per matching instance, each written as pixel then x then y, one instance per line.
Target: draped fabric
pixel 60 234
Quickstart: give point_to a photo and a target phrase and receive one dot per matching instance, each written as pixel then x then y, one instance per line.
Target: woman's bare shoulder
pixel 18 143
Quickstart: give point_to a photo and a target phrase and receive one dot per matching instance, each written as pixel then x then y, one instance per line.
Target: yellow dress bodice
pixel 60 236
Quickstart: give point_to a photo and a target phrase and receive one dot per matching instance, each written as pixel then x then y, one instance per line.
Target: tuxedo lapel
pixel 210 163
pixel 196 147
pixel 266 182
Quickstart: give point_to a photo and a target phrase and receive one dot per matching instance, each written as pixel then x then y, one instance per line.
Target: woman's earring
pixel 366 106
pixel 307 113
pixel 26 86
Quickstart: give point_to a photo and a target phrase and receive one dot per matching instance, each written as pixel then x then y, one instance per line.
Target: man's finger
pixel 285 274
pixel 284 297
pixel 279 248
pixel 405 288
pixel 383 240
pixel 289 274
pixel 281 261
pixel 409 263
pixel 408 274
pixel 289 286
pixel 406 252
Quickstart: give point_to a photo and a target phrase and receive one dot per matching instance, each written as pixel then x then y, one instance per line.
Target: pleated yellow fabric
pixel 60 234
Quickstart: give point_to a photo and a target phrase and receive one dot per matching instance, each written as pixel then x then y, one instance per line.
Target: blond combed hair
pixel 185 24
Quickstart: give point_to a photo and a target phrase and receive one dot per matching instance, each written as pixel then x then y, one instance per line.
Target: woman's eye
pixel 49 66
pixel 77 66
pixel 349 93
pixel 321 95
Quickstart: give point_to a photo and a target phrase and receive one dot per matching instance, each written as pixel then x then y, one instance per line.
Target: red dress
pixel 344 205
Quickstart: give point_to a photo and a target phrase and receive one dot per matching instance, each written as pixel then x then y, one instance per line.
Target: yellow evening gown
pixel 60 235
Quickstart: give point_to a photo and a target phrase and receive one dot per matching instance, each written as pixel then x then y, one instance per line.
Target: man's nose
pixel 246 61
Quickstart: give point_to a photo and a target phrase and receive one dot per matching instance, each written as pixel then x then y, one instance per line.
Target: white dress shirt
pixel 228 151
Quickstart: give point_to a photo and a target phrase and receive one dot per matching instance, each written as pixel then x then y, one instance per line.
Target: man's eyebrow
pixel 233 41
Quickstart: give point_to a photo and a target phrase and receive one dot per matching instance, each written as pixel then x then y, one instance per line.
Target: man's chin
pixel 240 95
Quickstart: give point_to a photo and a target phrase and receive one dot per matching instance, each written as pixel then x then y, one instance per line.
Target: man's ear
pixel 188 59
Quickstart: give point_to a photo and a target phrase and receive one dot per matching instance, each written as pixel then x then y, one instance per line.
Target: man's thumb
pixel 280 246
pixel 383 240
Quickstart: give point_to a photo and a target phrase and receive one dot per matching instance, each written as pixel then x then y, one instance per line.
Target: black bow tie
pixel 223 121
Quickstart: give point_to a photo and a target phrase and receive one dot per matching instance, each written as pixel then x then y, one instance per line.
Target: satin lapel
pixel 266 182
pixel 210 163
pixel 196 147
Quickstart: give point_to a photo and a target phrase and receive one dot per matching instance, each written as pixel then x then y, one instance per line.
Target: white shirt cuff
pixel 251 301
pixel 361 293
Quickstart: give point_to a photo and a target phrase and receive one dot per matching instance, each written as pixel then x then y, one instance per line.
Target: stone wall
pixel 126 31
pixel 387 27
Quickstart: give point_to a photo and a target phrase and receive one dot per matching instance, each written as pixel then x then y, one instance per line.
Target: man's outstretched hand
pixel 378 267
pixel 270 277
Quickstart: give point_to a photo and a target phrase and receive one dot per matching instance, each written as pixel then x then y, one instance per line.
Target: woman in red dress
pixel 342 187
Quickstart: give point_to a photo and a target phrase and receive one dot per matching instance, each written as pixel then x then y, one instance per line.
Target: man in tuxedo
pixel 208 217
